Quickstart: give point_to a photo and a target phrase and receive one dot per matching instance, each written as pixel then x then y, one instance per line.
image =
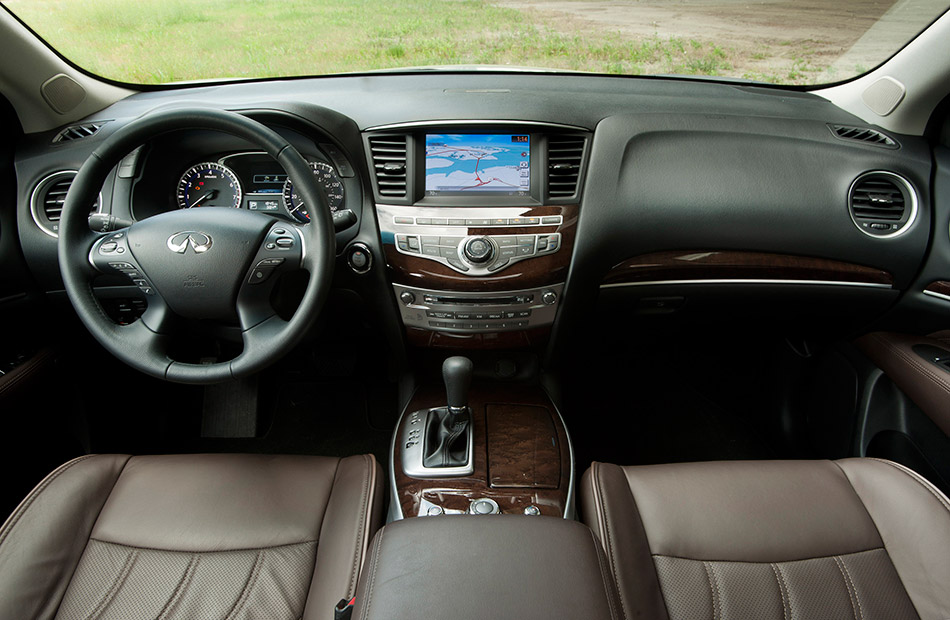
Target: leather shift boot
pixel 446 439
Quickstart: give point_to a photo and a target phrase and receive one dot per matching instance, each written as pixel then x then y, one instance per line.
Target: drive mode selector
pixel 478 250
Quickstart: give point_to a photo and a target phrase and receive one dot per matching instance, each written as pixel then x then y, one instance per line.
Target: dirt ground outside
pixel 790 41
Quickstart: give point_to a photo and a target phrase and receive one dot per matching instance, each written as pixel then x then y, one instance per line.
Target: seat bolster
pixel 354 514
pixel 609 508
pixel 42 541
pixel 913 519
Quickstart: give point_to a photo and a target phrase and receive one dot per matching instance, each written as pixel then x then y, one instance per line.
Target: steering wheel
pixel 201 263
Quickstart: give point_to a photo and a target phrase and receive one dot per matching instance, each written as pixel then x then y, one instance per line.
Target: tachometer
pixel 209 185
pixel 332 186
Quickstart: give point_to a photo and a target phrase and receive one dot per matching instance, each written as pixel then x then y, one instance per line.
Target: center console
pixel 477 222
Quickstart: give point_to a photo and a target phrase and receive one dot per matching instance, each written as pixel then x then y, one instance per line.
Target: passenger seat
pixel 854 538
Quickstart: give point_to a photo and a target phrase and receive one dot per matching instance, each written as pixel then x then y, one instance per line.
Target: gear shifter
pixel 447 429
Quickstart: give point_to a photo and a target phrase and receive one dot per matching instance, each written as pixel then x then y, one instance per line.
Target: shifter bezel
pixel 413 450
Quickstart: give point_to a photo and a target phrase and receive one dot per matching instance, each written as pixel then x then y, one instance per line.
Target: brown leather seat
pixel 190 536
pixel 855 538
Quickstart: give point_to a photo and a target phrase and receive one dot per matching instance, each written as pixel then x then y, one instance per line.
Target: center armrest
pixel 510 566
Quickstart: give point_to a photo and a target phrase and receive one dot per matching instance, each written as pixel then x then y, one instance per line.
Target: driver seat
pixel 190 536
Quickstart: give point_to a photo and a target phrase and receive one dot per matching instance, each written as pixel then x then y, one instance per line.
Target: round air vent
pixel 882 204
pixel 49 195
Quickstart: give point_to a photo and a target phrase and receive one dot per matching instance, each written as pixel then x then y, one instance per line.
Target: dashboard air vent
pixel 864 134
pixel 76 132
pixel 389 164
pixel 46 204
pixel 565 155
pixel 882 204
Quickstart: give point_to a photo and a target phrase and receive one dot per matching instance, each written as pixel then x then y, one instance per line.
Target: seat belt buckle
pixel 344 609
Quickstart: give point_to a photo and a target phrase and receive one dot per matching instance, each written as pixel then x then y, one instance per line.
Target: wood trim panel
pixel 711 265
pixel 456 493
pixel 940 287
pixel 530 273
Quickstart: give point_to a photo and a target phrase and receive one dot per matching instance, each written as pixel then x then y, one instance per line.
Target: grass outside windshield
pixel 780 41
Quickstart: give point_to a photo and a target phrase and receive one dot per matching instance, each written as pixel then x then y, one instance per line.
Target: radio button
pixel 525 250
pixel 457 222
pixel 431 250
pixel 526 240
pixel 440 314
pixel 463 316
pixel 438 221
pixel 507 253
pixel 551 219
pixel 499 221
pixel 506 242
pixel 403 220
pixel 427 240
pixel 517 221
pixel 479 222
pixel 449 252
pixel 452 241
pixel 532 221
pixel 423 221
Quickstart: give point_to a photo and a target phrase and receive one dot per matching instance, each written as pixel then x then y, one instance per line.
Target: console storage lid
pixel 508 566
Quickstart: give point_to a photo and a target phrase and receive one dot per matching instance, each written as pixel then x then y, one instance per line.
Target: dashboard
pixel 499 210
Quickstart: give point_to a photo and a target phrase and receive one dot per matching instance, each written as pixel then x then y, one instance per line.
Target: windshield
pixel 778 41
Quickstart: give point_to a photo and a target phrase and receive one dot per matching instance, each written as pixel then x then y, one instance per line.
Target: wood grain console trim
pixel 736 265
pixel 940 287
pixel 530 273
pixel 457 493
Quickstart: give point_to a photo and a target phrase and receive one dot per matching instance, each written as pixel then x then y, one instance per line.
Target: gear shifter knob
pixel 457 374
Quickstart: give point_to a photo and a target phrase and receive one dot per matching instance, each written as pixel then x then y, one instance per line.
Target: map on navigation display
pixel 464 163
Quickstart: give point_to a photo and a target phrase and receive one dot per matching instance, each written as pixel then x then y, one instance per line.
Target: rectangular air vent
pixel 389 165
pixel 565 155
pixel 76 132
pixel 864 134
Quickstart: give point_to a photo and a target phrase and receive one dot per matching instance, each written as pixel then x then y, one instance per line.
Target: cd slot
pixel 479 301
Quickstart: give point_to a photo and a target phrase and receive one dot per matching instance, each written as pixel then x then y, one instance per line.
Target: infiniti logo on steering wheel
pixel 199 241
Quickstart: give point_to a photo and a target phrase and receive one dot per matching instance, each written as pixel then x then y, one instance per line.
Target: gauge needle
pixel 207 196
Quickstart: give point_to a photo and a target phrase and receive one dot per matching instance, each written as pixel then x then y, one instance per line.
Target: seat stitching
pixel 116 586
pixel 847 573
pixel 599 492
pixel 847 586
pixel 603 576
pixel 788 591
pixel 918 479
pixel 716 601
pixel 372 582
pixel 118 544
pixel 358 555
pixel 820 557
pixel 21 510
pixel 245 591
pixel 785 604
pixel 181 587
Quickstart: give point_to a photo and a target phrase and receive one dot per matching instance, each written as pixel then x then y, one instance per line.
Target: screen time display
pixel 459 164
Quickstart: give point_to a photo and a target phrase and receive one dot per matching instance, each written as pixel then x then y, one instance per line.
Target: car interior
pixel 686 355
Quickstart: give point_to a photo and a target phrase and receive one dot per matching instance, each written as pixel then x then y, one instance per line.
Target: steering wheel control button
pixel 484 506
pixel 108 247
pixel 285 242
pixel 359 258
pixel 479 250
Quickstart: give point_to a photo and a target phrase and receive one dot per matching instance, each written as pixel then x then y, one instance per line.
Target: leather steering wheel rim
pixel 143 343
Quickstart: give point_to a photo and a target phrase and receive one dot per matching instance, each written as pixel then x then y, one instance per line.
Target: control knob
pixel 478 250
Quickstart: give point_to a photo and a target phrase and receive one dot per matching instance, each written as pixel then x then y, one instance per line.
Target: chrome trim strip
pixel 569 504
pixel 395 508
pixel 44 183
pixel 481 123
pixel 937 295
pixel 749 281
pixel 907 186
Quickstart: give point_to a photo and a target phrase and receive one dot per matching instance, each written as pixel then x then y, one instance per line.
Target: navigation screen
pixel 458 164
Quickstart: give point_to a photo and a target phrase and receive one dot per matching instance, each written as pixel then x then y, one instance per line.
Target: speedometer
pixel 209 185
pixel 332 186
